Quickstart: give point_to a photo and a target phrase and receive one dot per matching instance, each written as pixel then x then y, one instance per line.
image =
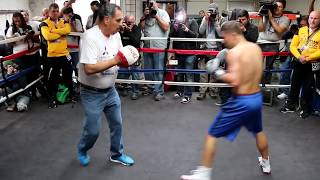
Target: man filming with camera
pixel 272 26
pixel 155 23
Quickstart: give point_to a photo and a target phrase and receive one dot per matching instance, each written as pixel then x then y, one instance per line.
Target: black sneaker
pixel 185 100
pixel 177 95
pixel 134 96
pixel 201 96
pixel 52 104
pixel 287 108
pixel 304 114
pixel 74 99
pixel 158 97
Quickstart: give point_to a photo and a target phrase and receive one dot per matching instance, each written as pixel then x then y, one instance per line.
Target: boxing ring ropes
pixel 145 50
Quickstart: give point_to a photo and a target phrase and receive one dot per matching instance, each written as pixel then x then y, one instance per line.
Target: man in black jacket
pixel 131 35
pixel 250 31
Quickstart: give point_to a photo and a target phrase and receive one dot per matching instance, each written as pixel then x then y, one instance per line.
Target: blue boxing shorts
pixel 238 111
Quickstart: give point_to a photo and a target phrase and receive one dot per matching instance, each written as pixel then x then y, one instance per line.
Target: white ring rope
pixel 189 39
pixel 4 98
pixel 192 83
pixel 14 39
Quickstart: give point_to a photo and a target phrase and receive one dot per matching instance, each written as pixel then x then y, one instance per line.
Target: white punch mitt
pixel 128 55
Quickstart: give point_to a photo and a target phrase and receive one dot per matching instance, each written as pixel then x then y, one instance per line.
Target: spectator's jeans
pixel 204 77
pixel 267 76
pixel 154 61
pixel 74 62
pixel 302 76
pixel 285 77
pixel 185 62
pixel 135 76
pixel 94 104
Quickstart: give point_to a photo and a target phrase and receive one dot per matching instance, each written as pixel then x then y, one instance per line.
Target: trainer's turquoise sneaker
pixel 123 159
pixel 84 158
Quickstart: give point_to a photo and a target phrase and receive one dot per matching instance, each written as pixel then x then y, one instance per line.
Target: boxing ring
pixel 165 139
pixel 165 70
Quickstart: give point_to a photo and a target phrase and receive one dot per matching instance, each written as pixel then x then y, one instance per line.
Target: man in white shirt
pixel 98 68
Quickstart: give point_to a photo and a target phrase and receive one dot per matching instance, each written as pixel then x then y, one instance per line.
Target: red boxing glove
pixel 128 55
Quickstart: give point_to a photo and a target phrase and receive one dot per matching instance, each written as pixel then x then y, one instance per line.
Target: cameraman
pixel 155 23
pixel 210 28
pixel 271 28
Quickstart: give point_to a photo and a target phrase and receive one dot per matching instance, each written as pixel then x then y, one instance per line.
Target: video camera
pixel 212 14
pixel 153 12
pixel 265 6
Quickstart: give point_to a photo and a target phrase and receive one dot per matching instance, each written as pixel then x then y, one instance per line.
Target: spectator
pixel 210 28
pixel 91 20
pixel 33 58
pixel 33 24
pixel 201 15
pixel 303 21
pixel 250 31
pixel 54 31
pixel 305 47
pixel 184 28
pixel 287 64
pixel 271 28
pixel 68 4
pixel 73 40
pixel 131 35
pixel 155 23
pixel 18 28
pixel 311 6
pixel 20 102
pixel 44 15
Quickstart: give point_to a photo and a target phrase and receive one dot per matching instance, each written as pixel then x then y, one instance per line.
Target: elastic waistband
pixel 94 88
pixel 257 94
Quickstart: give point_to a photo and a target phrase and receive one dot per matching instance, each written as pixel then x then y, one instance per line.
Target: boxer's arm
pixel 232 75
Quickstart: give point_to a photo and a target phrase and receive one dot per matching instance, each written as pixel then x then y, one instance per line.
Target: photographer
pixel 250 31
pixel 271 28
pixel 18 28
pixel 184 28
pixel 155 23
pixel 131 35
pixel 210 28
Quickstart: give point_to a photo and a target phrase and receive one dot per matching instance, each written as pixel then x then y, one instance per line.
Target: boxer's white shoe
pixel 201 173
pixel 265 165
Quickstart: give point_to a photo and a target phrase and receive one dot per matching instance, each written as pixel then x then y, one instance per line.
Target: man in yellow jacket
pixel 55 31
pixel 305 47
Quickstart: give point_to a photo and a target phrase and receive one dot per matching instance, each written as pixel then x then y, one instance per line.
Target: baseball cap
pixel 213 7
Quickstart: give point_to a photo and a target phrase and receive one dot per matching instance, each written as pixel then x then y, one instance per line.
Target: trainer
pixel 101 52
